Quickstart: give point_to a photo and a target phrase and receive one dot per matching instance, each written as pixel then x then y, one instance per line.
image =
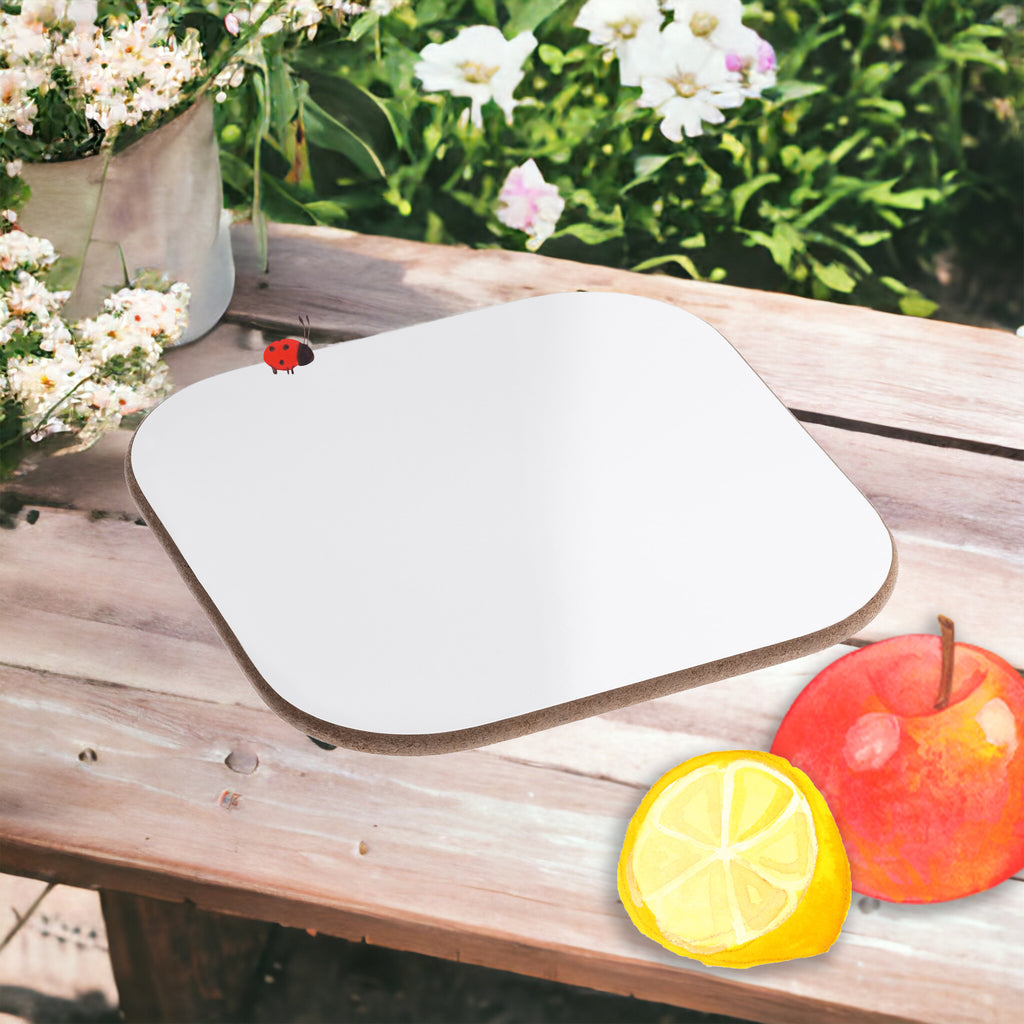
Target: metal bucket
pixel 158 205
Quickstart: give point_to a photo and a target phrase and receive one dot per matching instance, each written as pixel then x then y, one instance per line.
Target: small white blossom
pixel 21 250
pixel 37 382
pixel 28 296
pixel 138 69
pixel 163 315
pixel 479 63
pixel 17 108
pixel 685 79
pixel 625 28
pixel 81 13
pixel 13 168
pixel 528 203
pixel 613 22
pixel 754 59
pixel 717 21
pixel 22 38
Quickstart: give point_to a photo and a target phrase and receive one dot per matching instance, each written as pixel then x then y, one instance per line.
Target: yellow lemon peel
pixel 733 859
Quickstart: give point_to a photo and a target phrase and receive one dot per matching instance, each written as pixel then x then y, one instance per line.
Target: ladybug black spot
pixel 280 362
pixel 286 346
pixel 271 348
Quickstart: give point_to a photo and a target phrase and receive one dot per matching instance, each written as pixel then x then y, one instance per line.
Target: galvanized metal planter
pixel 158 205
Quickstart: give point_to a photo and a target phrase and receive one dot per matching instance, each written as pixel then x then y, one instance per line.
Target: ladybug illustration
pixel 287 353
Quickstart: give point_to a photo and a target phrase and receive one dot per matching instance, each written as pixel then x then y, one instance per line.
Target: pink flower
pixel 528 203
pixel 231 23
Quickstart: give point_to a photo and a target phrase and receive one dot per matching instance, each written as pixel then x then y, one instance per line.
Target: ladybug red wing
pixel 282 355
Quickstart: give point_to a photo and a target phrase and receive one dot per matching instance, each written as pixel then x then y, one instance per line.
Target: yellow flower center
pixel 477 73
pixel 685 85
pixel 48 382
pixel 703 23
pixel 625 29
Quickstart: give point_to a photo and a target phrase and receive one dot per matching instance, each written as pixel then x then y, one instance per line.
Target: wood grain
pixel 502 856
pixel 939 378
pixel 478 848
pixel 480 853
pixel 174 962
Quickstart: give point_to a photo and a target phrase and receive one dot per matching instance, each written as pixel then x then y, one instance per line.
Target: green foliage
pixel 892 137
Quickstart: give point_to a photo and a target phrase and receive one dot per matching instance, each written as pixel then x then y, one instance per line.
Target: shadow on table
pixel 323 979
pixel 305 979
pixel 26 1003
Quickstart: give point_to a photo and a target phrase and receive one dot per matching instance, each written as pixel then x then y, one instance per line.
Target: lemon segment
pixel 728 855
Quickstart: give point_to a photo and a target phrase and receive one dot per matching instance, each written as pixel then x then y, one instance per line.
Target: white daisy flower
pixel 613 22
pixel 717 21
pixel 685 79
pixel 754 59
pixel 528 203
pixel 479 63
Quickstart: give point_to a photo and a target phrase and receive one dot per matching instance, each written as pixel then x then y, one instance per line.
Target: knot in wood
pixel 88 756
pixel 242 760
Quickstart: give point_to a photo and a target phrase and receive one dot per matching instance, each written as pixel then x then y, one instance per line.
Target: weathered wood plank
pixel 956 515
pixel 174 962
pixel 476 855
pixel 940 378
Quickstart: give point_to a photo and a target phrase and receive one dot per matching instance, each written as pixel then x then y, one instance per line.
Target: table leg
pixel 175 962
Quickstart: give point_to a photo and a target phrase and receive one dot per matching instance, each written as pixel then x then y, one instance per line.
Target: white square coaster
pixel 465 530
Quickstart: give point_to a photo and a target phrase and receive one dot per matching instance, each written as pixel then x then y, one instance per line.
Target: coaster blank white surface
pixel 473 519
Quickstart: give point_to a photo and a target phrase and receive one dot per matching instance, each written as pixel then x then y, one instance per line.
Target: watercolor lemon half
pixel 734 859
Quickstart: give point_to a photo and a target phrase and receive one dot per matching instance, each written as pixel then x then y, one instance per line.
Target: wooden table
pixel 119 706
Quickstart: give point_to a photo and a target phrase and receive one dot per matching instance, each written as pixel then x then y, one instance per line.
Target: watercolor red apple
pixel 917 744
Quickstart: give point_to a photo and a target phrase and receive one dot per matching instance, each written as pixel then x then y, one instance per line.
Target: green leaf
pixel 834 276
pixel 284 103
pixel 789 92
pixel 732 145
pixel 844 147
pixel 781 243
pixel 862 238
pixel 873 77
pixel 970 52
pixel 356 108
pixel 326 211
pixel 678 258
pixel 910 199
pixel 646 167
pixel 328 133
pixel 893 108
pixel 895 285
pixel 589 234
pixel 915 304
pixel 741 194
pixel 552 56
pixel 529 14
pixel 363 24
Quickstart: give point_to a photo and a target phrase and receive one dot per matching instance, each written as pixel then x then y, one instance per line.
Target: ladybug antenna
pixel 305 328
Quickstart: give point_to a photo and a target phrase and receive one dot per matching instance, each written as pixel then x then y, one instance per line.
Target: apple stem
pixel 946 679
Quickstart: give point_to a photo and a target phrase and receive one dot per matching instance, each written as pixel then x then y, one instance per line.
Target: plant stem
pixel 46 415
pixel 23 918
pixel 219 62
pixel 946 678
